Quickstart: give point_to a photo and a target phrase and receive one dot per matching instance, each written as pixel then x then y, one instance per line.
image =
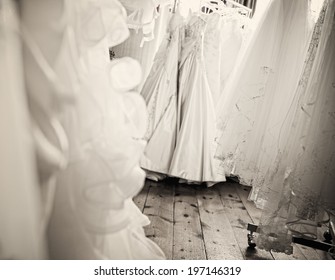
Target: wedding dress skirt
pixel 160 94
pixel 193 158
pixel 259 93
pixel 298 193
pixel 94 216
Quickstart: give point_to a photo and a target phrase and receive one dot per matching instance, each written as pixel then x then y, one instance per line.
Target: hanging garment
pixel 298 192
pixel 21 210
pixel 193 158
pixel 234 32
pixel 160 94
pixel 212 52
pixel 94 216
pixel 144 51
pixel 259 93
pixel 142 15
pixel 223 40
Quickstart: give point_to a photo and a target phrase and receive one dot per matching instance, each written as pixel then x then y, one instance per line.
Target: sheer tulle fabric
pixel 258 94
pixel 299 192
pixel 94 215
pixel 193 158
pixel 160 94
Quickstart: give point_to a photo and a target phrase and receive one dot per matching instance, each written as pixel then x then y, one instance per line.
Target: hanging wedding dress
pixel 20 200
pixel 193 158
pixel 259 93
pixel 94 215
pixel 212 52
pixel 222 43
pixel 160 94
pixel 298 193
pixel 234 32
pixel 147 21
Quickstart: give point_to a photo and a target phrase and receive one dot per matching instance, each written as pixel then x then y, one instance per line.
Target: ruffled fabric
pixel 135 47
pixel 95 217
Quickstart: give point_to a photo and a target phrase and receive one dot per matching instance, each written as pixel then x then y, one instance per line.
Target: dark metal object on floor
pixel 327 245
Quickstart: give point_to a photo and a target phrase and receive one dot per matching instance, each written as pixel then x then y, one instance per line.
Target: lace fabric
pixel 259 91
pixel 160 93
pixel 298 193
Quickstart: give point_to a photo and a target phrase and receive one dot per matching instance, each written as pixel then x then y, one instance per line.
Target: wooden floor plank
pixel 190 222
pixel 159 209
pixel 253 211
pixel 142 196
pixel 188 241
pixel 239 218
pixel 218 234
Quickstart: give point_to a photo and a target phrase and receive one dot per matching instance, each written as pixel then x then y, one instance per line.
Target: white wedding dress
pixel 223 40
pixel 160 94
pixel 298 193
pixel 259 93
pixel 193 158
pixel 94 216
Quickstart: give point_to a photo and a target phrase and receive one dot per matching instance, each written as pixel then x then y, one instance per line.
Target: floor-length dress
pixel 160 94
pixel 193 158
pixel 258 95
pixel 94 216
pixel 299 189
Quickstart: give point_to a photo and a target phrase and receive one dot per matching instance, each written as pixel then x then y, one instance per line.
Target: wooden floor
pixel 194 222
